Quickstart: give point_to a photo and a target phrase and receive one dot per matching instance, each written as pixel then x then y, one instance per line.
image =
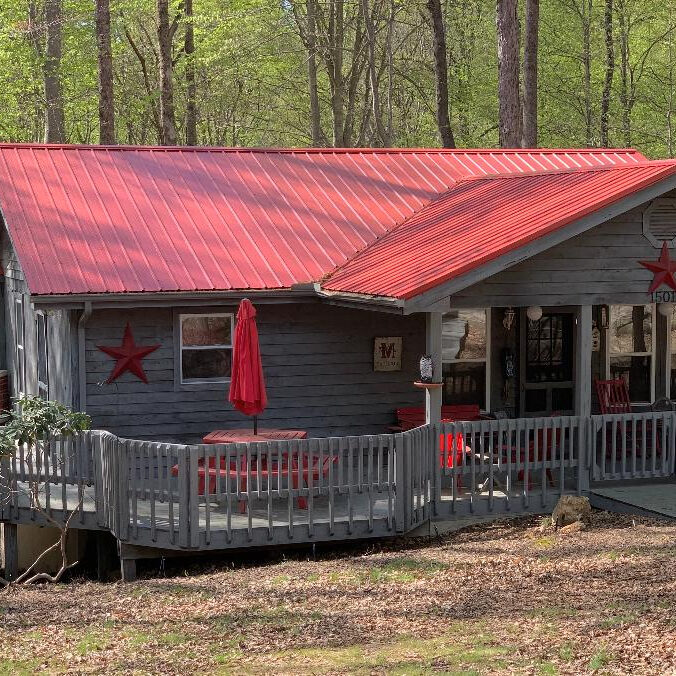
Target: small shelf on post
pixel 427 386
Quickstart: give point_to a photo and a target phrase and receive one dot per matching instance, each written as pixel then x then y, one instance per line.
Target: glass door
pixel 547 362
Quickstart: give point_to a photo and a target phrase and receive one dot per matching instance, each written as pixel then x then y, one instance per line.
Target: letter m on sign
pixel 387 353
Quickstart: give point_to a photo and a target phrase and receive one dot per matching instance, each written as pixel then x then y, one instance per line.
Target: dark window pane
pixel 465 383
pixel 535 401
pixel 636 371
pixel 207 330
pixel 206 364
pixel 562 399
pixel 549 355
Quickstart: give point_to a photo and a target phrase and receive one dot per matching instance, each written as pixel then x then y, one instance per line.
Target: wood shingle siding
pixel 318 364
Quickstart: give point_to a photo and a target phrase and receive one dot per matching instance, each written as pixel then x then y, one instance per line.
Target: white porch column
pixel 433 348
pixel 583 354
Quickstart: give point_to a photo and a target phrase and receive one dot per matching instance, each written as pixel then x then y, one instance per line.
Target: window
pixel 20 347
pixel 630 349
pixel 206 348
pixel 43 355
pixel 464 349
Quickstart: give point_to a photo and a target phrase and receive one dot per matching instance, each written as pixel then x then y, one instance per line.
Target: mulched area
pixel 508 597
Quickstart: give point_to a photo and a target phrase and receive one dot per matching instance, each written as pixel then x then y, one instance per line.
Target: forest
pixel 465 73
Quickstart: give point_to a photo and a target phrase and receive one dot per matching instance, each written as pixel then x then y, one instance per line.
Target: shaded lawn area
pixel 499 598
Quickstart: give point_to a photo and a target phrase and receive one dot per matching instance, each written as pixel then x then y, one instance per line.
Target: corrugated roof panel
pixel 479 220
pixel 94 219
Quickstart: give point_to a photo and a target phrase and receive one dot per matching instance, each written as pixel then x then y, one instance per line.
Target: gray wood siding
pixel 599 266
pixel 318 364
pixel 58 330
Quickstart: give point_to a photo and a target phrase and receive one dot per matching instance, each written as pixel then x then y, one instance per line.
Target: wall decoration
pixel 663 270
pixel 129 356
pixel 595 338
pixel 387 353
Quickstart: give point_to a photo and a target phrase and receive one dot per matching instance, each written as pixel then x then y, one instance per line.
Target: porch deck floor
pixel 218 512
pixel 659 498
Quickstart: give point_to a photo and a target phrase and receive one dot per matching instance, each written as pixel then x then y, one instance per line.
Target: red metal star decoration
pixel 129 356
pixel 663 269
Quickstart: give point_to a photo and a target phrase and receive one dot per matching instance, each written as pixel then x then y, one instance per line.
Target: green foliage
pixel 35 418
pixel 251 68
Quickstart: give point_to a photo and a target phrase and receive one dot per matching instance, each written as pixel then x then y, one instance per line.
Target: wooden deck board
pixel 659 498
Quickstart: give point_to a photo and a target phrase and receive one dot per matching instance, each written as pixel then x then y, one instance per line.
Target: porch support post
pixel 583 345
pixel 433 348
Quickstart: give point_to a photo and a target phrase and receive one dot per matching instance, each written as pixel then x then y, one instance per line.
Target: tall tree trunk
pixel 311 43
pixel 336 76
pixel 530 75
pixel 381 131
pixel 610 70
pixel 625 94
pixel 586 16
pixel 440 73
pixel 164 35
pixel 509 100
pixel 191 84
pixel 55 125
pixel 105 56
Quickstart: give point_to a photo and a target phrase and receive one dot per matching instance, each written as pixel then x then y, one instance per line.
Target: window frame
pixel 652 353
pixel 42 387
pixel 199 383
pixel 486 407
pixel 19 319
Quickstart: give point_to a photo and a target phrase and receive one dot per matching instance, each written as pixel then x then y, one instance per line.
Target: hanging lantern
pixel 426 369
pixel 508 319
pixel 534 313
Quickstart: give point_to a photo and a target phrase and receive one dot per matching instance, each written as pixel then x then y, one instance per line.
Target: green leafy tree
pixel 32 423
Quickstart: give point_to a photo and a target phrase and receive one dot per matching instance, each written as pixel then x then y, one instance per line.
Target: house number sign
pixel 387 353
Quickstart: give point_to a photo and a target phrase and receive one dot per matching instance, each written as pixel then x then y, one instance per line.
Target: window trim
pixel 652 353
pixel 40 385
pixel 486 360
pixel 19 318
pixel 205 383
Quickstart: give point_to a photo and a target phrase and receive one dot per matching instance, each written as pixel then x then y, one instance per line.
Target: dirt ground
pixel 500 598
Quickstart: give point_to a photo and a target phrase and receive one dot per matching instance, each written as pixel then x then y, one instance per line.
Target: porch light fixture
pixel 604 317
pixel 665 309
pixel 534 313
pixel 508 319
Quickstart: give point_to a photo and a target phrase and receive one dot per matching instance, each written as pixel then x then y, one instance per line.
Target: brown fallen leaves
pixel 500 598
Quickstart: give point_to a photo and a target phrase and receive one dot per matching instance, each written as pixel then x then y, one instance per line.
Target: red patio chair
pixel 613 396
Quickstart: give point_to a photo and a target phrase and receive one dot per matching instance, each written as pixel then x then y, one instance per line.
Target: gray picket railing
pixel 508 466
pixel 281 492
pixel 633 445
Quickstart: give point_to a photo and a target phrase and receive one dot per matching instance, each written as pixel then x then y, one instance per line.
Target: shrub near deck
pixel 486 600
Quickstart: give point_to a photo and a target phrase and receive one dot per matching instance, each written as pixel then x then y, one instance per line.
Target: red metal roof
pixel 479 220
pixel 95 219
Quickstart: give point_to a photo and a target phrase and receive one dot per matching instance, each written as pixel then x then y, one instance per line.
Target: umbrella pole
pixel 255 421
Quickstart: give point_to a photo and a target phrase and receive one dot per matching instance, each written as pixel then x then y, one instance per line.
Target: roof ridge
pixel 314 150
pixel 569 170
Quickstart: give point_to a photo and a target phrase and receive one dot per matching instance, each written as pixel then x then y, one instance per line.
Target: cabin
pixel 538 284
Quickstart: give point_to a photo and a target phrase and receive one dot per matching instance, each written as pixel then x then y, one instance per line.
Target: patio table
pixel 246 435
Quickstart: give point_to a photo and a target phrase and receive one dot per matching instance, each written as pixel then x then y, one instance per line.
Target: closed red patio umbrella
pixel 247 384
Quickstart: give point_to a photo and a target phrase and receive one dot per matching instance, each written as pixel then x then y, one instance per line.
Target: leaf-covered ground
pixel 502 598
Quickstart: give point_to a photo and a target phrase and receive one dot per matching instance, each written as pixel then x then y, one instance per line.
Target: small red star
pixel 129 356
pixel 663 269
